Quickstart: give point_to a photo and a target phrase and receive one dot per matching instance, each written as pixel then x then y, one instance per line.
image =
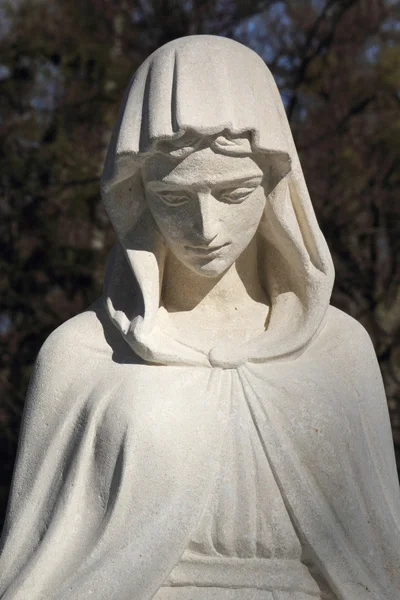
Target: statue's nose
pixel 207 222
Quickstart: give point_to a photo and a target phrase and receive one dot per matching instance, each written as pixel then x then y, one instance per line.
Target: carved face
pixel 207 206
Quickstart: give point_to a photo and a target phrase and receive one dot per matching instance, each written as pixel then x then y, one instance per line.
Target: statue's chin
pixel 212 266
pixel 211 269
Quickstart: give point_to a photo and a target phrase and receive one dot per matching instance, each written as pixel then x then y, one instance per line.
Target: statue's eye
pixel 173 198
pixel 236 195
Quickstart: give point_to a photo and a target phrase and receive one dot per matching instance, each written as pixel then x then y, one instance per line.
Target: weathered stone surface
pixel 210 429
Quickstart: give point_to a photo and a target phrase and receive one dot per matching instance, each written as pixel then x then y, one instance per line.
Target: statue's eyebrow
pixel 243 181
pixel 252 180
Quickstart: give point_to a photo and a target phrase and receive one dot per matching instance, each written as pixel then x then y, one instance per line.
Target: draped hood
pixel 210 85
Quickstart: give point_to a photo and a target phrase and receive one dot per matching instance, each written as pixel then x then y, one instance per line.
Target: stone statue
pixel 211 428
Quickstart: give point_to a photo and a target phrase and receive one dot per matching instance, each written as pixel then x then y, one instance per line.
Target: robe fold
pixel 115 467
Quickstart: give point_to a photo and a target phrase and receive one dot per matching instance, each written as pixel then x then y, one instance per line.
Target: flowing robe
pixel 117 459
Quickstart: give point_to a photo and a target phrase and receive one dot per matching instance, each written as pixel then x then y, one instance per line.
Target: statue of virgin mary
pixel 211 428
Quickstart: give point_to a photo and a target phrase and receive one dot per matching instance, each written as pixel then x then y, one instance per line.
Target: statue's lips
pixel 206 250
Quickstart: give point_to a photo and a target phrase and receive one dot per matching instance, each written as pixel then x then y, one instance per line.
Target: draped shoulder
pixel 349 344
pixel 341 325
pixel 75 349
pixel 75 339
pixel 346 344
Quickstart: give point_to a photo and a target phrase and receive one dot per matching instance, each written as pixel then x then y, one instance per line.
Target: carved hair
pixel 190 141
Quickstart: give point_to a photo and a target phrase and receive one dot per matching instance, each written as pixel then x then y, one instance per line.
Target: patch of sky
pixel 249 31
pixel 146 7
pixel 28 143
pixel 4 72
pixel 286 63
pixel 391 24
pixel 372 51
pixel 219 5
pixel 46 89
pixel 138 14
pixel 278 10
pixel 5 19
pixel 5 324
pixel 302 113
pixel 286 96
pixel 256 29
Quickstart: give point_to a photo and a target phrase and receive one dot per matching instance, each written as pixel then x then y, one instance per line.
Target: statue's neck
pixel 239 287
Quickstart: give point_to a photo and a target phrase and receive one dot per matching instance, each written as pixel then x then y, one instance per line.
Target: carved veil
pixel 174 92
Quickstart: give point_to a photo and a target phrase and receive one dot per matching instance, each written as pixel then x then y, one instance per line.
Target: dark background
pixel 63 67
